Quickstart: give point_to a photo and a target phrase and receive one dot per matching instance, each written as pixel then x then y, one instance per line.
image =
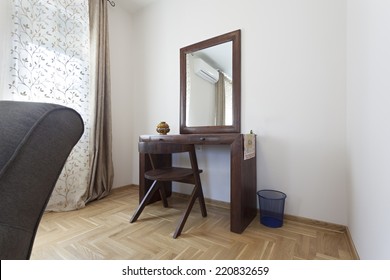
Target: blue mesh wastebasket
pixel 271 205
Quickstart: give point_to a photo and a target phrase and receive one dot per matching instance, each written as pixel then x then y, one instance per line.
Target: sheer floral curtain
pixel 5 43
pixel 51 63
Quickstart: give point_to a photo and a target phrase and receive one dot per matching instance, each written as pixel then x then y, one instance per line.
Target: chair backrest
pixel 35 141
pixel 153 148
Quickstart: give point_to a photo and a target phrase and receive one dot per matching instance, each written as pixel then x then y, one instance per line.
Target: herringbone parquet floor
pixel 102 231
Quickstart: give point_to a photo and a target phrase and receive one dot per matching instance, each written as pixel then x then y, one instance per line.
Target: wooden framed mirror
pixel 210 85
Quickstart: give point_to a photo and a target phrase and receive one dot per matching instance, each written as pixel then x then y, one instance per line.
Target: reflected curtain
pixel 220 100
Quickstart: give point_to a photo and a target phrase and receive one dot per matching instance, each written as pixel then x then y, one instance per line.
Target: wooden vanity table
pixel 222 125
pixel 243 201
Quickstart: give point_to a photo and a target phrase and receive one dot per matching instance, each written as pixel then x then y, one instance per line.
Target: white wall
pixel 368 91
pixel 293 92
pixel 123 96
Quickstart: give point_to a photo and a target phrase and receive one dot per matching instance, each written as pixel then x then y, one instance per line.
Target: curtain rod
pixel 112 3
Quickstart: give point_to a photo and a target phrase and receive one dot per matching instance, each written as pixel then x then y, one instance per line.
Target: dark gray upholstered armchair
pixel 35 141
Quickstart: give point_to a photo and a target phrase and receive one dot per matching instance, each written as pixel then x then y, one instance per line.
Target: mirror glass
pixel 210 78
pixel 209 86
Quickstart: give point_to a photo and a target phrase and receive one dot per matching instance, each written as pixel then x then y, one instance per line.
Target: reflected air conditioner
pixel 205 71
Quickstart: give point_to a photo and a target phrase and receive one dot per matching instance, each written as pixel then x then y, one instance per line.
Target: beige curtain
pixel 220 100
pixel 102 172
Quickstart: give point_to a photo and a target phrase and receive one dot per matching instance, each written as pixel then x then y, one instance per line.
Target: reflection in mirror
pixel 210 85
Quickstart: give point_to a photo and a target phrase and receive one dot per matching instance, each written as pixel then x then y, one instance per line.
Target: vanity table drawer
pixel 186 138
pixel 214 139
pixel 199 139
pixel 160 138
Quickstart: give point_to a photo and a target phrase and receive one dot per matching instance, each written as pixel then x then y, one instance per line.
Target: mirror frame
pixel 235 38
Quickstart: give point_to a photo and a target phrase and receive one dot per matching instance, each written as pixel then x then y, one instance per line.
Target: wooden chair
pixel 166 174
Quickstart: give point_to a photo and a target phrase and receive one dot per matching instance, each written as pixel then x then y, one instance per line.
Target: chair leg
pixel 198 186
pixel 194 196
pixel 202 203
pixel 163 195
pixel 185 214
pixel 144 201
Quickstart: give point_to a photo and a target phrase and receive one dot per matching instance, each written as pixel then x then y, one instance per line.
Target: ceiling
pixel 133 5
pixel 214 56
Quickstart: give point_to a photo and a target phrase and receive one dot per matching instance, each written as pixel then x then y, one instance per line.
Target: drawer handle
pixel 160 139
pixel 202 138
